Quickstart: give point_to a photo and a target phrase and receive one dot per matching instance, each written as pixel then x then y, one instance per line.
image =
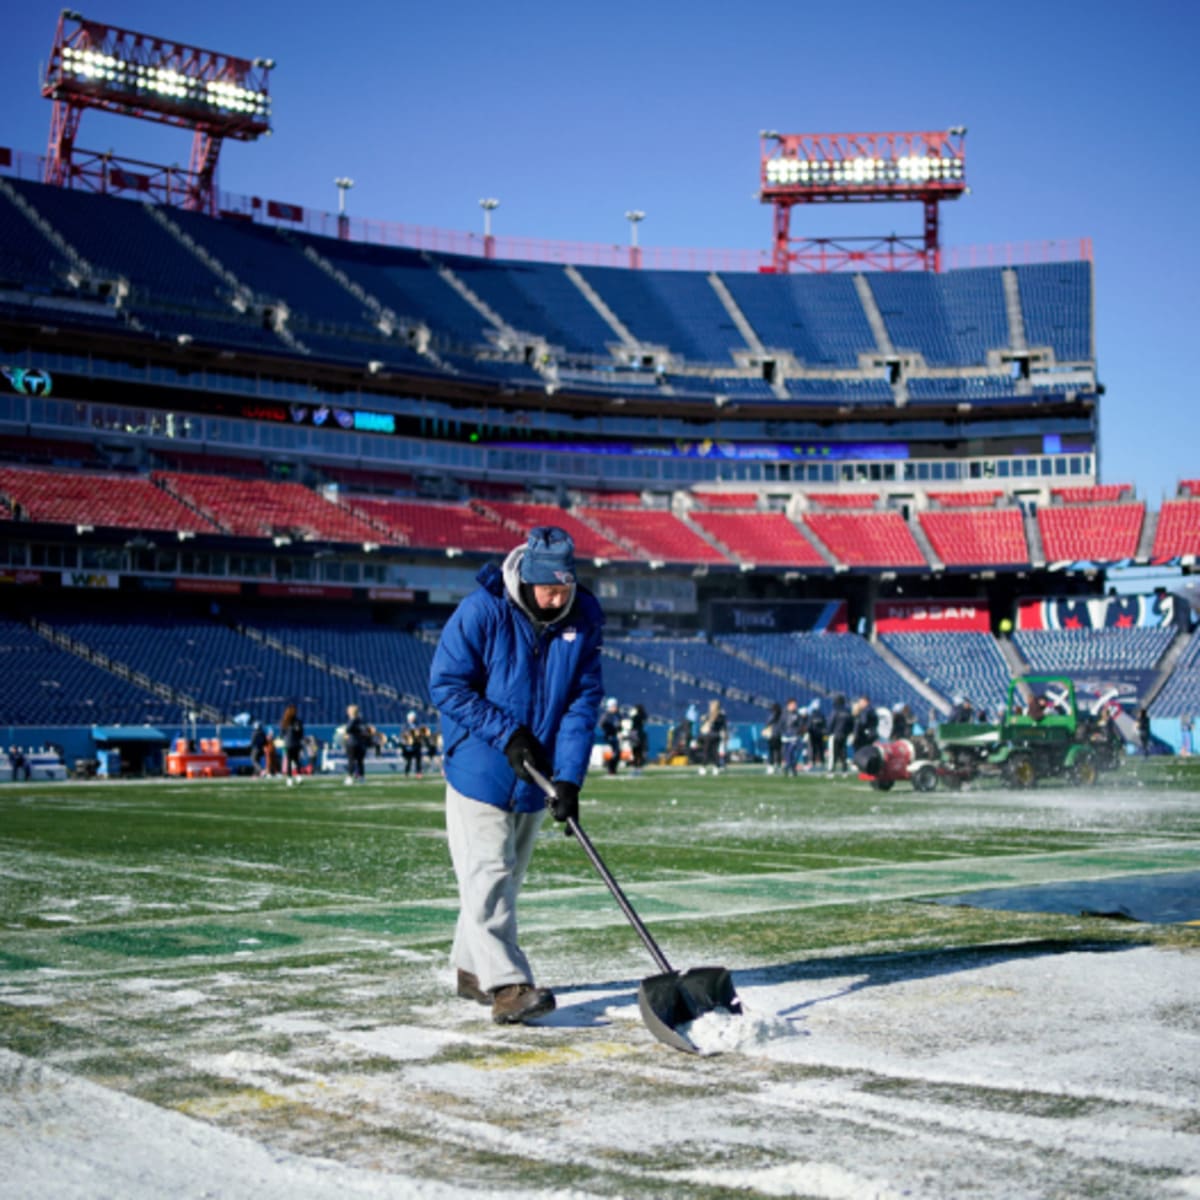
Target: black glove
pixel 564 803
pixel 521 746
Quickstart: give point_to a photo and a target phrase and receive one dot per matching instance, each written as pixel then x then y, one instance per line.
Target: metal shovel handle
pixel 604 873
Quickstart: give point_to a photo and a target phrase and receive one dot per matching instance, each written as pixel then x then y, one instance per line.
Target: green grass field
pixel 271 962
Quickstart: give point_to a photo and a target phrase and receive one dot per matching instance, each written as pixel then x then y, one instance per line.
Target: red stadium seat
pixel 985 537
pixel 1092 532
pixel 656 535
pixel 436 526
pixel 98 499
pixel 763 539
pixel 868 539
pixel 1178 529
pixel 260 508
pixel 521 516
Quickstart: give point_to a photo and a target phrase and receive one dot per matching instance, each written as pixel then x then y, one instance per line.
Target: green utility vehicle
pixel 1041 734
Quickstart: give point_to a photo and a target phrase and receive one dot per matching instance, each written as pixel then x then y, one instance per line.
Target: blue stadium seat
pixel 820 318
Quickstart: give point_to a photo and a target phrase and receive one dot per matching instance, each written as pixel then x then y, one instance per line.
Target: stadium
pixel 254 454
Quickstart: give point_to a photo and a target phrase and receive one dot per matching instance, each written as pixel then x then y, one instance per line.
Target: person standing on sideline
pixel 356 737
pixel 1185 735
pixel 292 730
pixel 412 744
pixel 610 731
pixel 1143 731
pixel 258 750
pixel 712 734
pixel 791 729
pixel 637 739
pixel 840 725
pixel 816 736
pixel 517 679
pixel 773 736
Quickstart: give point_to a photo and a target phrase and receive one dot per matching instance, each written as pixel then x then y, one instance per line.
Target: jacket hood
pixel 511 573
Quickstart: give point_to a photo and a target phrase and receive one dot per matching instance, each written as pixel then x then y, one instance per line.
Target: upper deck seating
pixel 952 318
pixel 1092 532
pixel 521 516
pixel 676 309
pixel 96 498
pixel 1178 529
pixel 977 538
pixel 867 539
pixel 760 539
pixel 261 508
pixel 656 534
pixel 819 318
pixel 434 525
pixel 1056 302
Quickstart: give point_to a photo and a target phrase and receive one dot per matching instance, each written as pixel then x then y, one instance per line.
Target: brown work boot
pixel 519 1002
pixel 469 989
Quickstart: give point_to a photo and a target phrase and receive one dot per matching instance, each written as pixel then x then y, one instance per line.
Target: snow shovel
pixel 667 1000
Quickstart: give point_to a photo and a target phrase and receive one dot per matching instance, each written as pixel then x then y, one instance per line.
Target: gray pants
pixel 490 848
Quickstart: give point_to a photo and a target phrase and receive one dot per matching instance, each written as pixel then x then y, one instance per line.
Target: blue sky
pixel 1082 121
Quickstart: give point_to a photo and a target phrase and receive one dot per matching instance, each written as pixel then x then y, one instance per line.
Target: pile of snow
pixel 723 1032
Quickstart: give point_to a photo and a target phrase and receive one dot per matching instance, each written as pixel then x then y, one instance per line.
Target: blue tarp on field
pixel 1170 898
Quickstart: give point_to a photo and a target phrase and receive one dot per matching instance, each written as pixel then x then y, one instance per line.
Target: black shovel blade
pixel 670 1000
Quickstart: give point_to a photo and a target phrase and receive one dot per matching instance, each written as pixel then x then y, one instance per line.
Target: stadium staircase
pixel 241 298
pixel 736 315
pixel 504 333
pixel 1017 664
pixel 609 317
pixel 413 334
pixel 924 544
pixel 914 681
pixel 1166 666
pixel 1149 534
pixel 1012 308
pixel 319 662
pixel 795 512
pixel 79 265
pixel 1033 539
pixel 120 670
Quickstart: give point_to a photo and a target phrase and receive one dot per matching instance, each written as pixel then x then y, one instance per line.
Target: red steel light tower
pixel 94 65
pixel 847 168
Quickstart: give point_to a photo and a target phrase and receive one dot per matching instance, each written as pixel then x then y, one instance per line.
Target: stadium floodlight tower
pixel 98 66
pixel 847 168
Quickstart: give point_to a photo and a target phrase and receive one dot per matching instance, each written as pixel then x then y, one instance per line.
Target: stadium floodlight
pixel 814 168
pixel 489 205
pixel 635 217
pixel 343 183
pixel 99 66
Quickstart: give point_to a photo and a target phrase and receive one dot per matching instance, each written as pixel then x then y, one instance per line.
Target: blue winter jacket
pixel 495 669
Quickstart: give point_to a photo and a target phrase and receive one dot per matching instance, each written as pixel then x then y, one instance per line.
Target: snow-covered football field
pixel 229 989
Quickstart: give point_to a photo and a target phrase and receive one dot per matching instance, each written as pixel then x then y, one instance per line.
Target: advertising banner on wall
pixel 91 579
pixel 932 616
pixel 778 616
pixel 1105 612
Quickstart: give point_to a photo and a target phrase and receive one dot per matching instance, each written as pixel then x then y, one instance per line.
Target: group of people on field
pixel 804 739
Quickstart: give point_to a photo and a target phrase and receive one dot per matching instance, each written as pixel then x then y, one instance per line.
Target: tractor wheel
pixel 926 779
pixel 1019 771
pixel 1084 772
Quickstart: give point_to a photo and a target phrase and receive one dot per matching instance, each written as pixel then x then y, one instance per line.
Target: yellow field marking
pixel 556 1057
pixel 247 1100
